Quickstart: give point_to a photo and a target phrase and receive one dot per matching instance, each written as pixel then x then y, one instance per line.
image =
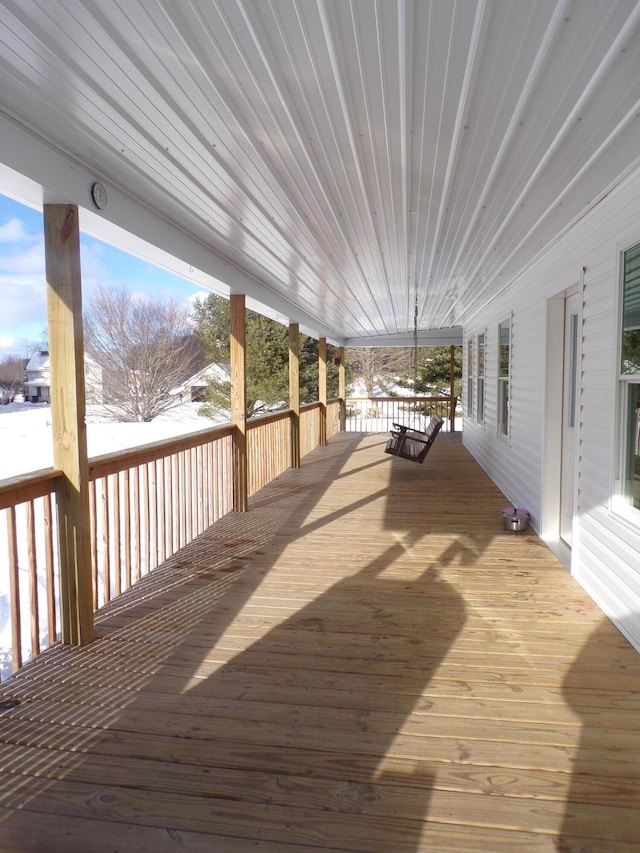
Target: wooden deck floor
pixel 364 662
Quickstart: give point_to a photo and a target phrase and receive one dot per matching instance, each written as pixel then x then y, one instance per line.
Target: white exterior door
pixel 569 417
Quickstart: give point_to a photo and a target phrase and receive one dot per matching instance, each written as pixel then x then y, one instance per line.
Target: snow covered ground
pixel 26 443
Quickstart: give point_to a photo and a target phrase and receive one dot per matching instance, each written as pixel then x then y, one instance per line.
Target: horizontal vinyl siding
pixel 514 464
pixel 606 549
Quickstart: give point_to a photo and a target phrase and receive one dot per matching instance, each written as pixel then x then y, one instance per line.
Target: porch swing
pixel 408 441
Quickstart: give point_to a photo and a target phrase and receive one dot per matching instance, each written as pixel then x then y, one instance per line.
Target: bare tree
pixel 144 348
pixel 377 366
pixel 11 377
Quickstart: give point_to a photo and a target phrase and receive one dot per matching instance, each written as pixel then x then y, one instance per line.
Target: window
pixel 480 380
pixel 630 377
pixel 504 371
pixel 470 378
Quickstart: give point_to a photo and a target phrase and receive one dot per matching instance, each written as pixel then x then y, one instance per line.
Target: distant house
pixel 194 390
pixel 37 386
pixel 37 381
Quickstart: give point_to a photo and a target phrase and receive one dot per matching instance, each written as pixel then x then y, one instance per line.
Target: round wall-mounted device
pixel 99 195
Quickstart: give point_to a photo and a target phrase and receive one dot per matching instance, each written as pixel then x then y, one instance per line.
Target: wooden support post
pixel 452 378
pixel 342 389
pixel 322 388
pixel 239 402
pixel 294 392
pixel 66 353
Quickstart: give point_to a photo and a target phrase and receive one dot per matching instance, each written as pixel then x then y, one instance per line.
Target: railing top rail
pixel 269 418
pixel 27 487
pixel 111 463
pixel 283 414
pixel 443 399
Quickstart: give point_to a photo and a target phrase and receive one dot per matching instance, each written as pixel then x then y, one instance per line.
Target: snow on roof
pixel 215 370
pixel 39 360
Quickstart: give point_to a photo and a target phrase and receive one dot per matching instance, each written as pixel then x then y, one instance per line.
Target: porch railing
pixel 377 414
pixel 145 504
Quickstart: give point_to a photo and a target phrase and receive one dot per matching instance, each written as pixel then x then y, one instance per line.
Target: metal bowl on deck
pixel 515 521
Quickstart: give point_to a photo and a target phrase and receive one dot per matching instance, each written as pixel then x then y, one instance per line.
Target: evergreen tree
pixel 433 376
pixel 267 360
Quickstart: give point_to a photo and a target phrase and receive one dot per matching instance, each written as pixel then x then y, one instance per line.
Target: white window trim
pixel 481 376
pixel 471 378
pixel 502 435
pixel 618 504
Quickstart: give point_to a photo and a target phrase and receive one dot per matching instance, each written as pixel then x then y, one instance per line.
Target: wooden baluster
pixel 50 569
pixel 137 508
pixel 106 540
pixel 14 590
pixel 117 543
pixel 93 520
pixel 33 580
pixel 128 544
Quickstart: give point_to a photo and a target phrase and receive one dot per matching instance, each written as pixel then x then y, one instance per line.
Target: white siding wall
pixel 606 549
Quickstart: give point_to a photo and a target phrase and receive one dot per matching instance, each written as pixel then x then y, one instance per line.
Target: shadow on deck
pixel 366 661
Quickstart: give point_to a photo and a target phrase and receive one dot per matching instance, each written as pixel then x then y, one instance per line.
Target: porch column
pixel 239 402
pixel 66 354
pixel 294 392
pixel 322 389
pixel 342 389
pixel 452 377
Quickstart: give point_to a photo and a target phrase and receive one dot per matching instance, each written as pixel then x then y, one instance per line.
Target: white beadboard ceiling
pixel 350 156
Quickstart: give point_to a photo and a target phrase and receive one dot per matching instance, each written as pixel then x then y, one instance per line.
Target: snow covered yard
pixel 26 443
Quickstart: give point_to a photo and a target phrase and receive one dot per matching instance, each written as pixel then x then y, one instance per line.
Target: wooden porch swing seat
pixel 413 444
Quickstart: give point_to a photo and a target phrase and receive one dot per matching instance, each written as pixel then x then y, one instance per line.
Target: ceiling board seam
pixel 371 142
pixel 339 82
pixel 462 106
pixel 405 61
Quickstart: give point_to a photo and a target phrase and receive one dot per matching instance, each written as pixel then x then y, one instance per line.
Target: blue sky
pixel 23 307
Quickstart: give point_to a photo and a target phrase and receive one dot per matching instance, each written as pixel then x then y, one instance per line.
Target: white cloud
pixel 199 294
pixel 22 283
pixel 23 297
pixel 13 231
pixel 27 260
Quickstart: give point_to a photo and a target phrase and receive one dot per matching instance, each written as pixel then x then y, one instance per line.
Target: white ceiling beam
pixel 426 338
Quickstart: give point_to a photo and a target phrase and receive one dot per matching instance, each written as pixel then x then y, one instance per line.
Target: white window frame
pixel 481 369
pixel 504 382
pixel 469 401
pixel 628 385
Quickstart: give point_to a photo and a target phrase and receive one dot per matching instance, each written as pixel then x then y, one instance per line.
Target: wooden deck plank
pixel 21 835
pixel 366 661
